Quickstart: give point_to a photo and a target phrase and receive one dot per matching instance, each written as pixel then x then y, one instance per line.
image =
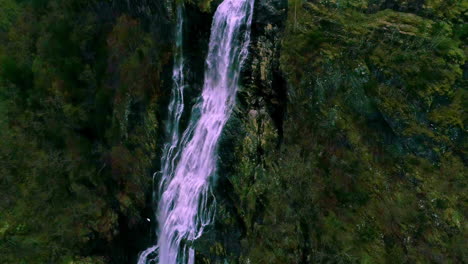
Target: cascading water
pixel 183 207
pixel 175 110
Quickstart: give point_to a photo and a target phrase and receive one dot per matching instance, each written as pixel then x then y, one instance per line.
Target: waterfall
pixel 175 110
pixel 188 163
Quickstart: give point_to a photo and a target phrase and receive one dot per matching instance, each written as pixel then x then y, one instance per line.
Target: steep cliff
pixel 371 161
pixel 347 143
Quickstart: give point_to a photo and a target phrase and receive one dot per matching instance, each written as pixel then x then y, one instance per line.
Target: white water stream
pixel 184 208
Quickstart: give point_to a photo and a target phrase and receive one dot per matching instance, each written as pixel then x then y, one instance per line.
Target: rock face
pixel 157 16
pixel 265 84
pixel 255 127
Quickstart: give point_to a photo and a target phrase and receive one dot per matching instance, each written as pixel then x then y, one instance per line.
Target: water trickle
pixel 188 163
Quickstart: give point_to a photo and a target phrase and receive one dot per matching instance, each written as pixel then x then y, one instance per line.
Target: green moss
pixel 79 101
pixel 374 120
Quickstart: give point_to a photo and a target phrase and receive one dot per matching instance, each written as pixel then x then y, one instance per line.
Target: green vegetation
pixel 79 100
pixel 372 167
pixel 368 166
